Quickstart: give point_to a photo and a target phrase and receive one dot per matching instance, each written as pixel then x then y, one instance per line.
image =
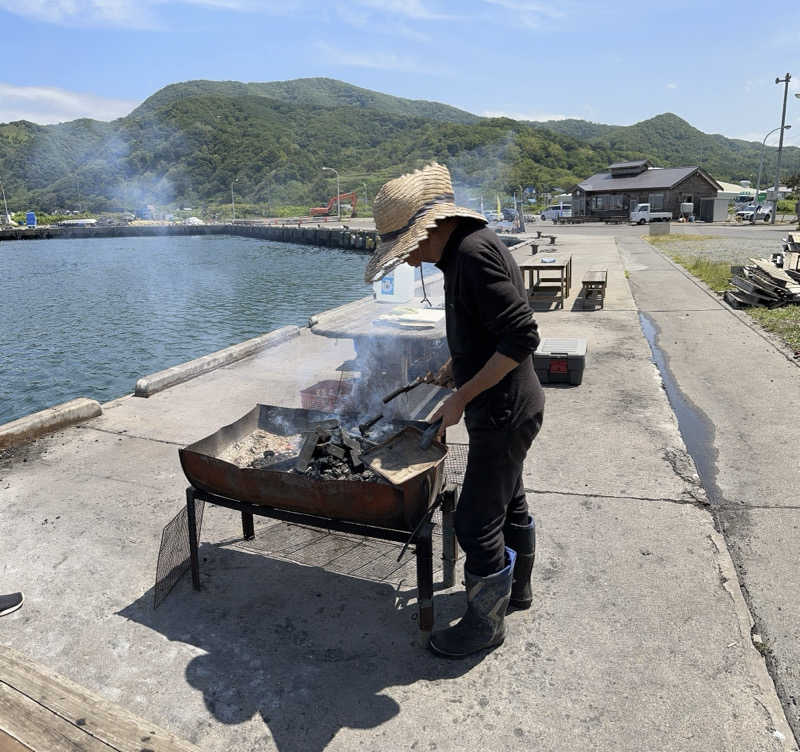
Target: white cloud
pixel 43 104
pixel 409 8
pixel 365 20
pixel 381 60
pixel 124 13
pixel 672 85
pixel 527 6
pixel 538 117
pixel 530 13
pixel 129 14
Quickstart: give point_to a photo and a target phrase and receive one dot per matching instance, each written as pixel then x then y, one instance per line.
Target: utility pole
pixel 785 82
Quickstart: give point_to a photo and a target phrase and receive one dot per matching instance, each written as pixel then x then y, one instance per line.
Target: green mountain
pixel 190 144
pixel 319 92
pixel 193 148
pixel 669 141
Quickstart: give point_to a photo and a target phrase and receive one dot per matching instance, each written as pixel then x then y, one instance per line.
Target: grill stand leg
pixel 248 531
pixel 449 550
pixel 424 546
pixel 192 523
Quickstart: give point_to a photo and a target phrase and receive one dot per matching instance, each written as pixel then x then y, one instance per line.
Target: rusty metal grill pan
pixel 380 504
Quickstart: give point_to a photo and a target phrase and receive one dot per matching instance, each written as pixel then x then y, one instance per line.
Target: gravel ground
pixel 716 248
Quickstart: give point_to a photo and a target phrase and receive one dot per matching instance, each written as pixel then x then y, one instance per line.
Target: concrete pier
pixel 335 236
pixel 639 636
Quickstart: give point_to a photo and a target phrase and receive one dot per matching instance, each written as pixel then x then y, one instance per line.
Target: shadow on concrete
pixel 546 301
pixel 308 650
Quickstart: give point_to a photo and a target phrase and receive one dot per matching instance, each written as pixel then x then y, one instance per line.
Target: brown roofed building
pixel 617 191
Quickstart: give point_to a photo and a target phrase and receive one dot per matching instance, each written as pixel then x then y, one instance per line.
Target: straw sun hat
pixel 405 209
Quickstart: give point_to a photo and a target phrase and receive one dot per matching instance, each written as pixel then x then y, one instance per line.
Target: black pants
pixel 493 492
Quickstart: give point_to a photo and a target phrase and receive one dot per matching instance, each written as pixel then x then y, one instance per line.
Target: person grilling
pixel 491 335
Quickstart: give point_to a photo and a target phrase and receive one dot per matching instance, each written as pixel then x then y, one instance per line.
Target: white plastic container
pixel 397 286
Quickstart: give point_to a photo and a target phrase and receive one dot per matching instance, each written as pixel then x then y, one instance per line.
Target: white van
pixel 554 211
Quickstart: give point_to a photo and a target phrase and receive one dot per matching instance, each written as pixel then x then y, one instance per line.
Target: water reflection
pixel 89 317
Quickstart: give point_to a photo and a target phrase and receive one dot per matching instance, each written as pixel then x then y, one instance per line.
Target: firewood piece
pixel 332 450
pixel 349 441
pixel 355 460
pixel 307 451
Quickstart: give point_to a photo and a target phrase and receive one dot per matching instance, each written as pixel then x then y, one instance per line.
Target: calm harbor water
pixel 87 318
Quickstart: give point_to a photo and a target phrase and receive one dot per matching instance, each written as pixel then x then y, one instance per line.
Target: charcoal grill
pixel 400 513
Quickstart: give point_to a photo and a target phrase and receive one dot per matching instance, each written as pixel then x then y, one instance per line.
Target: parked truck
pixel 641 215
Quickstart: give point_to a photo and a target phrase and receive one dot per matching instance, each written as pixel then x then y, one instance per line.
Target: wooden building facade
pixel 616 192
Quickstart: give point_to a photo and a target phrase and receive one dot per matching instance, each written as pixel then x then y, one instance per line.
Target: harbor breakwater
pixel 327 237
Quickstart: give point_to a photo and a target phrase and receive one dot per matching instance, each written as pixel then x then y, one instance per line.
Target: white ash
pixel 261 448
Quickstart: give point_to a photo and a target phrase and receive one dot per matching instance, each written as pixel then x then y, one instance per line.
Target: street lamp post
pixel 366 196
pixel 338 193
pixel 761 166
pixel 233 202
pixel 6 216
pixel 785 82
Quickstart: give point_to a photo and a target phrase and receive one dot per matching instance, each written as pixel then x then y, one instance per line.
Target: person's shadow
pixel 307 649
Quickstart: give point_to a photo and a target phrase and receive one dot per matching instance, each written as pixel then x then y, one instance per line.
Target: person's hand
pixel 450 412
pixel 442 377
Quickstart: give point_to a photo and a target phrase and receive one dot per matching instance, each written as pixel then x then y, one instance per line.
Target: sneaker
pixel 9 603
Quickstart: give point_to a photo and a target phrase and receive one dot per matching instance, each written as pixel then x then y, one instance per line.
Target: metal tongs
pixel 430 434
pixel 367 424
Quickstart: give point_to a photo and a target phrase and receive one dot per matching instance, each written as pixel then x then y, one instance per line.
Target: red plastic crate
pixel 326 395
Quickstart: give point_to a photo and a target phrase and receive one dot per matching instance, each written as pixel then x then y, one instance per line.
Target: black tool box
pixel 560 361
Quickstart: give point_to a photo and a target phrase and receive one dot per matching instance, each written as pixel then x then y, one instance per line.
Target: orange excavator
pixel 322 211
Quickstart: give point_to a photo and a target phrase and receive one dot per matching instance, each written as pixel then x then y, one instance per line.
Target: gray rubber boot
pixel 482 626
pixel 522 538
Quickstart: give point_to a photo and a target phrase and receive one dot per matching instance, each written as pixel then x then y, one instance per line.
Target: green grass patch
pixel 716 274
pixel 782 322
pixel 674 239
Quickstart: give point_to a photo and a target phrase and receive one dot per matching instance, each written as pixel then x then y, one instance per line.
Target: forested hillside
pixel 669 141
pixel 190 144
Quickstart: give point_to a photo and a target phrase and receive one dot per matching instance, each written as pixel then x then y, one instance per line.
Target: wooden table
pixel 543 279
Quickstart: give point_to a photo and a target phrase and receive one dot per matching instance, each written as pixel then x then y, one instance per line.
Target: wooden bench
pixel 41 711
pixel 593 290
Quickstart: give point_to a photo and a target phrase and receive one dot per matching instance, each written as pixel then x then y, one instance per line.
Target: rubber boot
pixel 482 626
pixel 522 538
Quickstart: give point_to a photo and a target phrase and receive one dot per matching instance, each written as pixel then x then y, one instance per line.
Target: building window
pixel 656 202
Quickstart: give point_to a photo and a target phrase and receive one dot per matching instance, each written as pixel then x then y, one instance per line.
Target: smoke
pixel 483 171
pixel 94 166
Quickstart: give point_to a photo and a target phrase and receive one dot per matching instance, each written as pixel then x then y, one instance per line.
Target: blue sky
pixel 712 63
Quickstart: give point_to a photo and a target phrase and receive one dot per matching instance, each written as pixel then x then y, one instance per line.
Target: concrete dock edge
pixel 156 382
pixel 45 421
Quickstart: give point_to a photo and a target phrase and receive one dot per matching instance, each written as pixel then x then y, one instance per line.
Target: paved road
pixel 745 390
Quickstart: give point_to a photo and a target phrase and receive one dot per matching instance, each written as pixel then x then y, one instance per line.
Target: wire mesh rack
pixel 455 463
pixel 173 554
